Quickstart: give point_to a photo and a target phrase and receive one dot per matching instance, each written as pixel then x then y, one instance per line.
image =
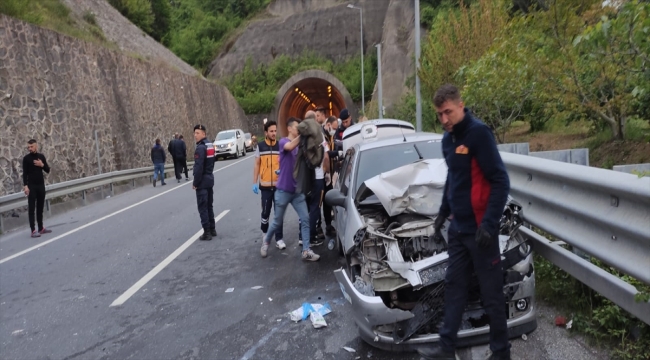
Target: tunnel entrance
pixel 307 91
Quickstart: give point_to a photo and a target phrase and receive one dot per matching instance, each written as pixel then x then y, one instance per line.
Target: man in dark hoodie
pixel 158 158
pixel 475 194
pixel 178 151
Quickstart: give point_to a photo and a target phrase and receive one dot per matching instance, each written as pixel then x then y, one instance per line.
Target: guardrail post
pixel 133 183
pixel 48 207
pixel 2 225
pixel 83 197
pixel 112 190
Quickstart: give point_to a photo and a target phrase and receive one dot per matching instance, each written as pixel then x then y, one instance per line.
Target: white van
pixel 230 143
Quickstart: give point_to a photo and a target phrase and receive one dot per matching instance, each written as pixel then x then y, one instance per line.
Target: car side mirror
pixel 334 197
pixel 238 136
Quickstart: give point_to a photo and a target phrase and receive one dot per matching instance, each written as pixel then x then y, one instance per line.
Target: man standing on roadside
pixel 329 129
pixel 158 159
pixel 204 181
pixel 475 194
pixel 286 193
pixel 34 164
pixel 265 177
pixel 182 161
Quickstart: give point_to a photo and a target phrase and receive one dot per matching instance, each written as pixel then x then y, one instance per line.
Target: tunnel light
pixel 297 90
pixel 330 105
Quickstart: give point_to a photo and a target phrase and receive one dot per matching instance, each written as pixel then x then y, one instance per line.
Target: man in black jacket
pixel 181 153
pixel 204 181
pixel 475 194
pixel 34 164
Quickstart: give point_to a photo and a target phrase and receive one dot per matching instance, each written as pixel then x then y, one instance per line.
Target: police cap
pixel 199 127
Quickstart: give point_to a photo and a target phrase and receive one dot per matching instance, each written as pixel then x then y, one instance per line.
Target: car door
pixel 343 184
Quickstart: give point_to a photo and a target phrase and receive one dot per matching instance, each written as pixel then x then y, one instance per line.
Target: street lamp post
pixel 363 98
pixel 418 98
pixel 379 89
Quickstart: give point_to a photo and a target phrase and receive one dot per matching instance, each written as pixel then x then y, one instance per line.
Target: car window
pixel 345 171
pixel 373 162
pixel 248 136
pixel 225 135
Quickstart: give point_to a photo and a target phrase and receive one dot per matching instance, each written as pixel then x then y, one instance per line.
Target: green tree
pixel 162 19
pixel 139 12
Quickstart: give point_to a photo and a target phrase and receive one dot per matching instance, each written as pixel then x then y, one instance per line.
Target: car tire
pixel 236 153
pixel 243 152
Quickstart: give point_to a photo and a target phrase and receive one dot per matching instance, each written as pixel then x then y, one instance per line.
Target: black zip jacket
pixel 477 184
pixel 203 165
pixel 158 155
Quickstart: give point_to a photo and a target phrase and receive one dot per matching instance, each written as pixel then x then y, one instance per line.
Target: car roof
pixel 397 139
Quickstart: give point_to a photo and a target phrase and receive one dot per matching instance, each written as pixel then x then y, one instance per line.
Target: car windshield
pixel 376 161
pixel 225 135
pixel 248 136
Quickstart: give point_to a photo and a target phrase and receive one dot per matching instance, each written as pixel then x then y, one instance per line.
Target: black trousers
pixel 204 198
pixel 268 203
pixel 314 204
pixel 36 201
pixel 180 166
pixel 465 258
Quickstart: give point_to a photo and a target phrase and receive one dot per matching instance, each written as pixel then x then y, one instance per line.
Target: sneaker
pixel 178 180
pixel 154 183
pixel 316 242
pixel 35 234
pixel 309 255
pixel 206 235
pixel 163 184
pixel 45 231
pixel 280 245
pixel 264 250
pixel 213 232
pixel 187 179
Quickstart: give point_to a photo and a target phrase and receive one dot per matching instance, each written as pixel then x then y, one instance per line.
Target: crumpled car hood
pixel 415 188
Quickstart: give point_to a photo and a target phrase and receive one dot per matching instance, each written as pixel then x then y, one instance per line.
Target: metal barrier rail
pixel 17 200
pixel 603 212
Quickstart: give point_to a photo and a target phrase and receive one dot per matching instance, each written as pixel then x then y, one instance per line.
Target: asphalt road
pixel 136 251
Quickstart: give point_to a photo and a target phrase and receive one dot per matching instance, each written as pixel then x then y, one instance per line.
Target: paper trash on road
pixel 230 289
pixel 349 349
pixel 315 313
pixel 257 287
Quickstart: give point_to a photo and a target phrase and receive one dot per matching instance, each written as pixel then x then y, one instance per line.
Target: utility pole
pixel 363 97
pixel 379 89
pixel 418 98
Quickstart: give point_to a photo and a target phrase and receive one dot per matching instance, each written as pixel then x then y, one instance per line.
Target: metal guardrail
pixel 18 200
pixel 602 212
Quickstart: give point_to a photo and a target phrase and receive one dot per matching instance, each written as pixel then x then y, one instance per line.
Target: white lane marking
pixel 150 275
pixel 105 217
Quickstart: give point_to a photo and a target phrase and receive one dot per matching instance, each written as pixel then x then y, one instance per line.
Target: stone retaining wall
pixel 60 90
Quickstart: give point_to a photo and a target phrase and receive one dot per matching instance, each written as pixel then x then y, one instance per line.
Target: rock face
pixel 60 90
pixel 397 51
pixel 125 35
pixel 327 27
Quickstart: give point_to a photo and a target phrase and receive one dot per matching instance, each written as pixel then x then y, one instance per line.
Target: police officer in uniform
pixel 204 181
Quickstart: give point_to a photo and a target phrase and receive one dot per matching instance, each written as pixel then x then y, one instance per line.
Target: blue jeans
pixel 159 169
pixel 297 201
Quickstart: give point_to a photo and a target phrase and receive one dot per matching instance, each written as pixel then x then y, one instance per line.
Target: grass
pixel 54 15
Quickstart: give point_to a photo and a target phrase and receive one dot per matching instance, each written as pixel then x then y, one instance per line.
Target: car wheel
pixel 243 152
pixel 237 153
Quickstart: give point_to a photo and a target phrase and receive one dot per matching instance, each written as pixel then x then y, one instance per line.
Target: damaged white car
pixel 386 201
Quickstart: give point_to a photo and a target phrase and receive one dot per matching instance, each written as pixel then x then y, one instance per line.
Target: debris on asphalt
pixel 560 321
pixel 569 324
pixel 257 287
pixel 230 289
pixel 315 313
pixel 17 332
pixel 270 299
pixel 349 349
pixel 524 337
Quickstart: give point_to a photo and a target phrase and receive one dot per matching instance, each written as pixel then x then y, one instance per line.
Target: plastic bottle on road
pixel 330 244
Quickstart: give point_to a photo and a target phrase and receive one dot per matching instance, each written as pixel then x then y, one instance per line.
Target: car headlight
pixel 521 304
pixel 231 144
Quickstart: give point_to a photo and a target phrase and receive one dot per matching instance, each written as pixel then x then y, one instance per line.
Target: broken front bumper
pixel 370 312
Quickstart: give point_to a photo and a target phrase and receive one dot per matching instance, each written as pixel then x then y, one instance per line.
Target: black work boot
pixel 213 232
pixel 206 235
pixel 435 352
pixel 330 231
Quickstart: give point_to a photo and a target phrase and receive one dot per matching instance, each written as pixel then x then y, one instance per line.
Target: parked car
pixel 386 200
pixel 249 144
pixel 230 143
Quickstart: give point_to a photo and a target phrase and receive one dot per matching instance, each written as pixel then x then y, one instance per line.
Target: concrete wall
pixel 641 168
pixel 59 90
pixel 573 156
